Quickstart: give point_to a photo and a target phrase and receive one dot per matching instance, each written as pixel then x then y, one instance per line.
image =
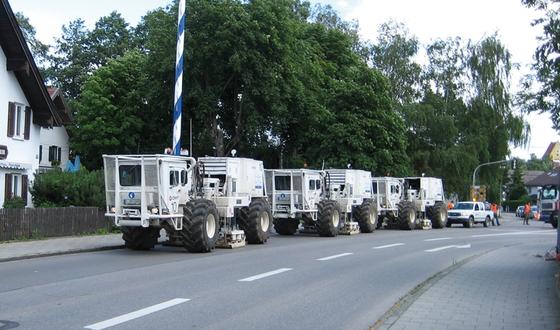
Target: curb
pixel 50 254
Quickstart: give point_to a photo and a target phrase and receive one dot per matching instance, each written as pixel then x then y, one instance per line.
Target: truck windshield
pixel 549 193
pixel 464 206
pixel 282 183
pixel 130 175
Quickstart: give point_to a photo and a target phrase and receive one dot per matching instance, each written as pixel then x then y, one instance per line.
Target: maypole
pixel 177 110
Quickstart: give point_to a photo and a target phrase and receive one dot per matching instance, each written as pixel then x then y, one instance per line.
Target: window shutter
pixel 24 188
pixel 59 153
pixel 40 154
pixel 27 123
pixel 11 117
pixel 8 187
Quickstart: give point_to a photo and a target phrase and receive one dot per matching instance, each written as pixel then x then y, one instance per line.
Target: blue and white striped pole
pixel 177 110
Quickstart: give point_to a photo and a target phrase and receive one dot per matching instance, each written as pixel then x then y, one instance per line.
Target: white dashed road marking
pixel 466 246
pixel 134 315
pixel 437 239
pixel 334 257
pixel 263 275
pixel 387 246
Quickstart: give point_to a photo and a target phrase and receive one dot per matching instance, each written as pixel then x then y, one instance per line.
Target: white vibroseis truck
pixel 324 202
pixel 423 204
pixel 145 193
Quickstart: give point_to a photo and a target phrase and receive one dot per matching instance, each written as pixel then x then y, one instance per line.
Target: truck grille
pixel 547 206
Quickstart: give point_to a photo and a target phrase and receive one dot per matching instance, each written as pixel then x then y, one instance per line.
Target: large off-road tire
pixel 367 216
pixel 256 221
pixel 407 215
pixel 139 238
pixel 286 226
pixel 438 215
pixel 328 218
pixel 201 224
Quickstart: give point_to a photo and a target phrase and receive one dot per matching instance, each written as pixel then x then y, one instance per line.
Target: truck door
pixel 170 178
pixel 313 196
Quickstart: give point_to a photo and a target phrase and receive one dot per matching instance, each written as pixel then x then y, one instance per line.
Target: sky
pixel 426 19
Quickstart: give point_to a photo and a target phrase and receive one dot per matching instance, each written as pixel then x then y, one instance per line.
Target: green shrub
pixel 61 189
pixel 14 203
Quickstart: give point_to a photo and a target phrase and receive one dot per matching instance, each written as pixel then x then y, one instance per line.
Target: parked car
pixel 519 212
pixel 469 213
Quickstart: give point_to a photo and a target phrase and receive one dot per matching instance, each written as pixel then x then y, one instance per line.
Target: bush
pixel 61 189
pixel 14 203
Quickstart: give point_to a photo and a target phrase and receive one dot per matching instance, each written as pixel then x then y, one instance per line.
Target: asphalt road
pixel 298 282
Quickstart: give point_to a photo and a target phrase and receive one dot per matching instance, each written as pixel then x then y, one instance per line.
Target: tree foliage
pixel 541 90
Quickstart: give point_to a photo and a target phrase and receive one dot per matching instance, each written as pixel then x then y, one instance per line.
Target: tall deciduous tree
pixel 112 112
pixel 542 88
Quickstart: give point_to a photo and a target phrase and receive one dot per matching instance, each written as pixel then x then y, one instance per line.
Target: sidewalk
pixel 61 245
pixel 509 288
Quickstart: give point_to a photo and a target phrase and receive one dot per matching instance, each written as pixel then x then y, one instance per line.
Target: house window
pixel 55 154
pixel 19 121
pixel 15 186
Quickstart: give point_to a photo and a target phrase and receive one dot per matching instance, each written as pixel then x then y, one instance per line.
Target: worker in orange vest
pixel 450 205
pixel 526 212
pixel 494 209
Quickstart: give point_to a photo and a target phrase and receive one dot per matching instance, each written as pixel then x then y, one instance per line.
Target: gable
pixel 20 61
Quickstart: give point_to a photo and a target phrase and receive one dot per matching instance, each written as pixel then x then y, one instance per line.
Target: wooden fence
pixel 51 222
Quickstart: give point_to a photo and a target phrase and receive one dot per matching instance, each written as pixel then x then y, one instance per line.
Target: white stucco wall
pixel 22 152
pixel 56 136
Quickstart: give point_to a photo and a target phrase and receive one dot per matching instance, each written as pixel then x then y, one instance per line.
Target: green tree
pixel 516 189
pixel 546 68
pixel 112 111
pixel 393 55
pixel 79 51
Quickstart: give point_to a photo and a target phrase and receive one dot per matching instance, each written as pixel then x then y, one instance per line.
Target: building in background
pixel 553 153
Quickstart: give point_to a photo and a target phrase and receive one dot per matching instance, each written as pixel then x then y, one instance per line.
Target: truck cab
pixel 549 204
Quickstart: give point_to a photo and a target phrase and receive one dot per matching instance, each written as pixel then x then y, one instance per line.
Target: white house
pixel 25 108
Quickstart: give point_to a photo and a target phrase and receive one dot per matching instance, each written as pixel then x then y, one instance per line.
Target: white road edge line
pixel 263 275
pixel 335 256
pixel 134 315
pixel 466 246
pixel 437 239
pixel 387 246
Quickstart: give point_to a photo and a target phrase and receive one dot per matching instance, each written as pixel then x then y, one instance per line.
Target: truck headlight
pixel 113 209
pixel 155 210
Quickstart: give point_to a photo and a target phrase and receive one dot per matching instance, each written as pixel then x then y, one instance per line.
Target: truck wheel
pixel 470 222
pixel 286 226
pixel 407 216
pixel 255 220
pixel 200 225
pixel 487 221
pixel 140 238
pixel 438 215
pixel 554 219
pixel 328 218
pixel 367 216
